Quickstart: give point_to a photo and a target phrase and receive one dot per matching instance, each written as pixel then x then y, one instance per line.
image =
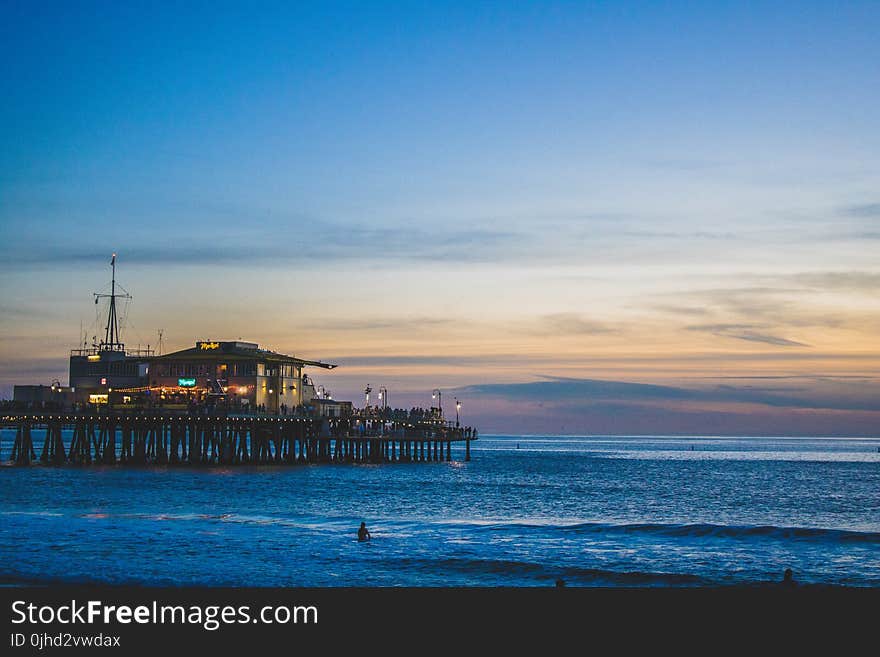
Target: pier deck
pixel 176 439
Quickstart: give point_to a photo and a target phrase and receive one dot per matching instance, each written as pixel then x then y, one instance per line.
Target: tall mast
pixel 111 331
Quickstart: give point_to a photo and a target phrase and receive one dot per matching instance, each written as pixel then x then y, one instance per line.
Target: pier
pixel 157 438
pixel 219 402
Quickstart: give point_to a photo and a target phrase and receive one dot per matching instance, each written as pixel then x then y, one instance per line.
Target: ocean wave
pixel 317 525
pixel 46 514
pixel 701 530
pixel 541 572
pixel 410 526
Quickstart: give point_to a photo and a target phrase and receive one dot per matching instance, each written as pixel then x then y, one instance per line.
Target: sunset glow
pixel 455 198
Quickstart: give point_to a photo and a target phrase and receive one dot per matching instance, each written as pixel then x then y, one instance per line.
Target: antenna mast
pixel 111 340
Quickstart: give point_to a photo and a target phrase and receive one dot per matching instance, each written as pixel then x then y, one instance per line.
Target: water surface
pixel 594 511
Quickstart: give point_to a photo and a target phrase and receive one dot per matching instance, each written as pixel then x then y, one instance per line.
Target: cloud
pixel 749 300
pixel 559 388
pixel 795 377
pixel 855 281
pixel 382 324
pixel 20 312
pixel 698 235
pixel 768 304
pixel 720 328
pixel 295 245
pixel 765 308
pixel 764 338
pixel 748 332
pixel 629 419
pixel 302 242
pixel 698 311
pixel 404 360
pixel 865 396
pixel 570 324
pixel 258 236
pixel 863 211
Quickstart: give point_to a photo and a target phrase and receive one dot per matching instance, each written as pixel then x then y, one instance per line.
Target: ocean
pixel 525 511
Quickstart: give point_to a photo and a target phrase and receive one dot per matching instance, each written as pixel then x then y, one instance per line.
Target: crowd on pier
pixel 414 414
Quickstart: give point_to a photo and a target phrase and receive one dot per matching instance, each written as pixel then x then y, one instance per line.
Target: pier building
pixel 248 377
pixel 239 374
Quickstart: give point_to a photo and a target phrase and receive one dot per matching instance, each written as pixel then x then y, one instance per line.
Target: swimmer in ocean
pixel 363 533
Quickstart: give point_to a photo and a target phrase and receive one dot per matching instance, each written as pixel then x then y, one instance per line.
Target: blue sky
pixel 454 194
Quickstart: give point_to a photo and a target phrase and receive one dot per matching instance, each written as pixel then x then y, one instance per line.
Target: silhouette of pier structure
pixel 223 440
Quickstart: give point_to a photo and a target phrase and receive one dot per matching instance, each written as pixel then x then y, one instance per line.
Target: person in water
pixel 364 533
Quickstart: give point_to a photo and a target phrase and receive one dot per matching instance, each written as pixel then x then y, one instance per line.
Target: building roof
pixel 235 351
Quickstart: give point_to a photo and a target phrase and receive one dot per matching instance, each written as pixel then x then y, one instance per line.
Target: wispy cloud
pixel 21 312
pixel 294 240
pixel 749 332
pixel 690 311
pixel 536 361
pixel 863 211
pixel 775 307
pixel 856 281
pixel 291 246
pixel 570 324
pixel 587 391
pixel 422 360
pixel 558 388
pixel 381 324
pixel 766 339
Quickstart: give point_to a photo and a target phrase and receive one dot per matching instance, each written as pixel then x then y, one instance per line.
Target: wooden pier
pixel 140 439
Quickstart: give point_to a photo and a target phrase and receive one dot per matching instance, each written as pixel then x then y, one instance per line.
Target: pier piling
pixel 177 439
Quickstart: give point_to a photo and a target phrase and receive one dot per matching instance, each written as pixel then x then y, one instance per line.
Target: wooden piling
pixel 166 439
